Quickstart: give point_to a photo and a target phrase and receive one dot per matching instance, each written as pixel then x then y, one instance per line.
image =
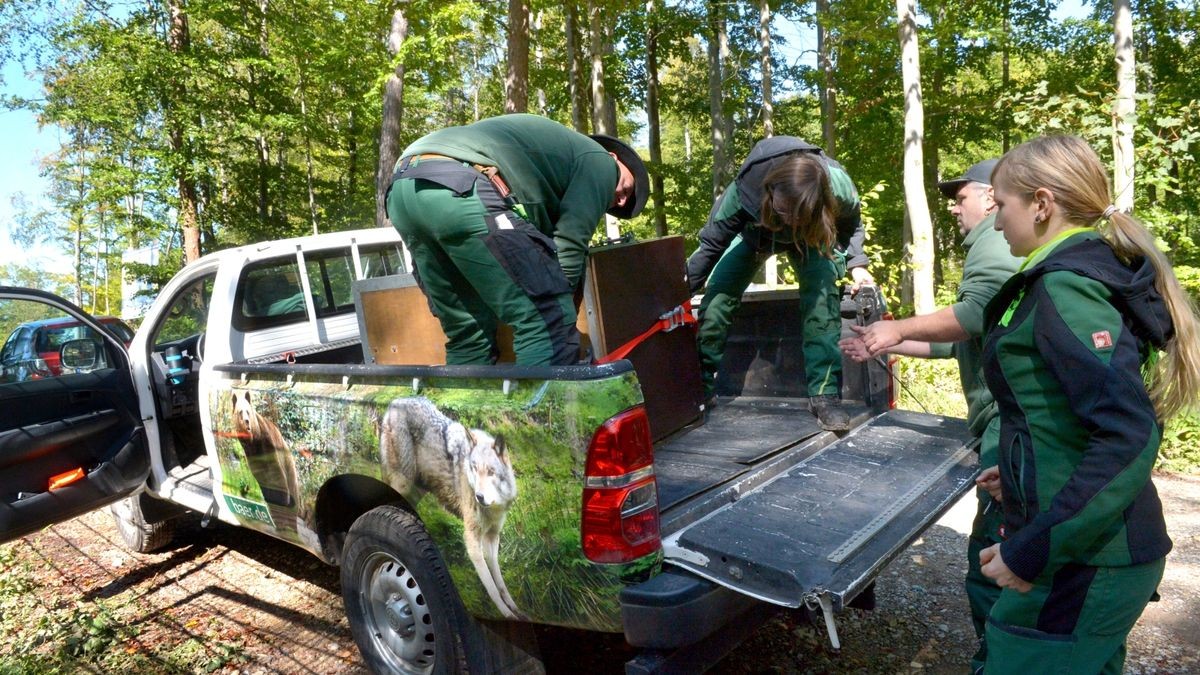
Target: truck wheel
pixel 137 534
pixel 404 611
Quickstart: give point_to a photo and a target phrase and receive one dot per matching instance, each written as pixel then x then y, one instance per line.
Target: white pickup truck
pixel 464 503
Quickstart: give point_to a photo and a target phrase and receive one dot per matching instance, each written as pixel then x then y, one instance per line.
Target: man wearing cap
pixel 988 264
pixel 497 216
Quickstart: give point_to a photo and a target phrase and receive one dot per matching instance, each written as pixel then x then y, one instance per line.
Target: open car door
pixel 71 438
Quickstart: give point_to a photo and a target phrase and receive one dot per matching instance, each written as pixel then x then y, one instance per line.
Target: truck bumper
pixel 677 608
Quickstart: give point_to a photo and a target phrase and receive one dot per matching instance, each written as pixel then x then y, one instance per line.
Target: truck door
pixel 71 438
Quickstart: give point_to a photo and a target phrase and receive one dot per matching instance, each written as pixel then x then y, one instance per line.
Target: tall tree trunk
pixel 393 108
pixel 914 183
pixel 77 210
pixel 1006 113
pixel 652 121
pixel 264 150
pixel 764 43
pixel 1124 111
pixel 538 59
pixel 575 86
pixel 179 42
pixel 351 156
pixel 516 82
pixel 943 239
pixel 716 109
pixel 602 121
pixel 308 161
pixel 828 93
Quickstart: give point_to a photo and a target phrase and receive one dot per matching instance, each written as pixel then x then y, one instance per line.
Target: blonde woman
pixel 1090 347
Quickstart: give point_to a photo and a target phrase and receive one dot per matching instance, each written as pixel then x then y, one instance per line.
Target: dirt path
pixel 231 601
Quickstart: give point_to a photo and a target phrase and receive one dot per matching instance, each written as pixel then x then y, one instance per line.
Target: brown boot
pixel 830 413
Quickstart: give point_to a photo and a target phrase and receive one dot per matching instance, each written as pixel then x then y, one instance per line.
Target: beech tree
pixel 914 182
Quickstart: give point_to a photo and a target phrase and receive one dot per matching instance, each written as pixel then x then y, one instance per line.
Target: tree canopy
pixel 212 123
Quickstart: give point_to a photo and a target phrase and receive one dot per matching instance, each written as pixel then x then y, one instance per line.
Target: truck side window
pixel 381 261
pixel 188 314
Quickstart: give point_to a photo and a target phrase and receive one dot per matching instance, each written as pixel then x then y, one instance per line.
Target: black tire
pixel 137 534
pixel 405 613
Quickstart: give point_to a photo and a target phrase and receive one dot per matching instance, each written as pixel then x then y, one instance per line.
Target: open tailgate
pixel 823 529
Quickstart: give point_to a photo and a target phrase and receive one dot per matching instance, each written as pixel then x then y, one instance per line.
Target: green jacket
pixel 563 180
pixel 1067 339
pixel 987 266
pixel 736 212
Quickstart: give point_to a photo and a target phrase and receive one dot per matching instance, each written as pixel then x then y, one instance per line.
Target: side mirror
pixel 80 356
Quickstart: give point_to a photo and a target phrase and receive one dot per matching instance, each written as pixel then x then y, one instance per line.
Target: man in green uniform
pixel 957 330
pixel 497 216
pixel 821 233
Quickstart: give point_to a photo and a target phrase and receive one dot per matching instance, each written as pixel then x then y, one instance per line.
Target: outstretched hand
pixel 855 348
pixel 992 565
pixel 879 337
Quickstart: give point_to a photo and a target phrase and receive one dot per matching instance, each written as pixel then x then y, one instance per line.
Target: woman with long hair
pixel 1091 346
pixel 789 198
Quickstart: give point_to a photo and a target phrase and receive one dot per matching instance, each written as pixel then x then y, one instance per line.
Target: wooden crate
pixel 398 328
pixel 628 287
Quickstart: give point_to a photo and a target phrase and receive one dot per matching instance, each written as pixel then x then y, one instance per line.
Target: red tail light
pixel 620 496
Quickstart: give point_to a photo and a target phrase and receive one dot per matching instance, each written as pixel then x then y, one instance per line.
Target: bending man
pixel 498 215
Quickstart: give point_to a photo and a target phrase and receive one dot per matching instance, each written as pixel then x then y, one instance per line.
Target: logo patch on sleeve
pixel 1102 339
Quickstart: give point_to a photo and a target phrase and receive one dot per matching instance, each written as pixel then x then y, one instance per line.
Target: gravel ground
pixel 250 604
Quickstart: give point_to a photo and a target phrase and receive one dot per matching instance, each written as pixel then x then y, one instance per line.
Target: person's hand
pixel 855 348
pixel 989 479
pixel 992 565
pixel 861 277
pixel 879 336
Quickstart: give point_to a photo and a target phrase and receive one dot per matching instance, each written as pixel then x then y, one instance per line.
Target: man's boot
pixel 830 413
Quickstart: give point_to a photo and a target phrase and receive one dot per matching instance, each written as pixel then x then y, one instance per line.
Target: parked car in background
pixel 31 351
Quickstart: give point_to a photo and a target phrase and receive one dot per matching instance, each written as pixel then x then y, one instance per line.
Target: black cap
pixel 979 173
pixel 641 179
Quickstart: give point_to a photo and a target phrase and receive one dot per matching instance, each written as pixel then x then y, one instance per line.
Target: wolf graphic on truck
pixel 467 470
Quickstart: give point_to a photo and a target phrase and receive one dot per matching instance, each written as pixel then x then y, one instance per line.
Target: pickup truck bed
pixel 826 514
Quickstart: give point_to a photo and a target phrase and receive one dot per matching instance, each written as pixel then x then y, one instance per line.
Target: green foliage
pixel 930 385
pixel 1180 449
pixel 279 107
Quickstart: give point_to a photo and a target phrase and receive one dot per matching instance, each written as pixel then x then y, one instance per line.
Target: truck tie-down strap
pixel 669 321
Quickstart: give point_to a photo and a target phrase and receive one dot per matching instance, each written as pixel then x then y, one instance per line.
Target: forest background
pixel 194 125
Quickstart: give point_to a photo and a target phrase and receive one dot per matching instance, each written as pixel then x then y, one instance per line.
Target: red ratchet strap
pixel 680 316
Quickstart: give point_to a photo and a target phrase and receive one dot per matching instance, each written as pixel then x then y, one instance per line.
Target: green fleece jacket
pixel 1067 339
pixel 564 180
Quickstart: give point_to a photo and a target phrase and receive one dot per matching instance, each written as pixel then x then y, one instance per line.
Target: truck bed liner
pixel 738 434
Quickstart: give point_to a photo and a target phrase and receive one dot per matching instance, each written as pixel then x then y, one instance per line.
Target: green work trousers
pixel 479 262
pixel 1074 621
pixel 821 323
pixel 985 531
